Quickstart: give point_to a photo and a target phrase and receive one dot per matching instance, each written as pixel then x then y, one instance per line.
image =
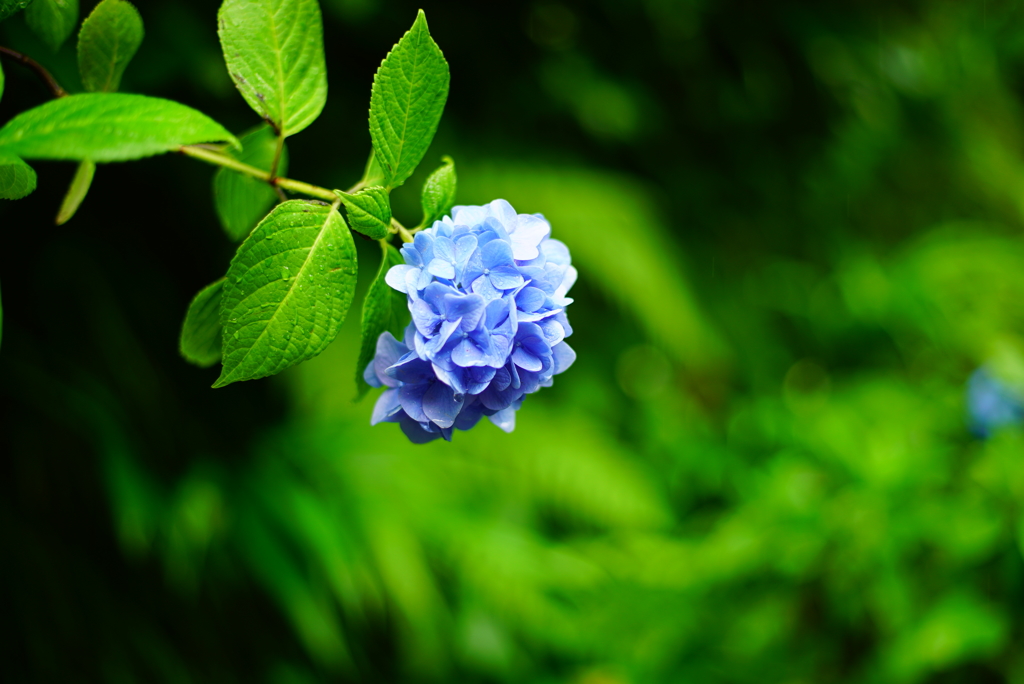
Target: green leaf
pixel 241 200
pixel 369 211
pixel 201 332
pixel 103 127
pixel 409 92
pixel 1 81
pixel 108 40
pixel 52 20
pixel 9 7
pixel 17 178
pixel 372 174
pixel 274 50
pixel 439 192
pixel 384 308
pixel 288 290
pixel 77 192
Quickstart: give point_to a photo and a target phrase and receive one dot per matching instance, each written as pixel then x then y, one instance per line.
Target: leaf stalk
pixel 219 159
pixel 35 66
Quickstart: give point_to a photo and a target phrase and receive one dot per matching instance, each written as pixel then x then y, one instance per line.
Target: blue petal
pixel 470 308
pixel 553 331
pixel 387 405
pixel 424 244
pixel 555 252
pixel 412 255
pixel 411 397
pixel 528 234
pixel 389 351
pixel 465 246
pixel 478 378
pixel 563 288
pixel 396 276
pixel 482 286
pixel 468 216
pixel 526 360
pixel 436 345
pixel 411 370
pixel 440 405
pixel 466 354
pixel 424 318
pixel 441 269
pixel 503 211
pixel 501 379
pixel 563 356
pixel 505 419
pixel 444 249
pixel 469 416
pixel 453 378
pixel 416 433
pixel 530 299
pixel 497 253
pixel 506 277
pixel 370 376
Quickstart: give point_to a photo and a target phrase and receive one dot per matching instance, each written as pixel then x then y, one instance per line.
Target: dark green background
pixel 798 230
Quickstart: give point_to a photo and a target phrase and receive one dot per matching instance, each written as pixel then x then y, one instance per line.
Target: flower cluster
pixel 487 292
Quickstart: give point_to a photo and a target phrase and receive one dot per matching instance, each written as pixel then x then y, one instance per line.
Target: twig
pixel 35 66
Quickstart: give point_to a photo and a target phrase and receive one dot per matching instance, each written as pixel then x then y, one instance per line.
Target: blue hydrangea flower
pixel 487 291
pixel 991 404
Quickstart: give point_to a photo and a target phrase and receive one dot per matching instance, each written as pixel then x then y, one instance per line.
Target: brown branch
pixel 35 66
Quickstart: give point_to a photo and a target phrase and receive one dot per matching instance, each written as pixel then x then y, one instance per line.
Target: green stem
pixel 277 156
pixel 403 232
pixel 219 159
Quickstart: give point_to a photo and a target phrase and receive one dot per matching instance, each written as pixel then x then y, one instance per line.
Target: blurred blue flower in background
pixel 487 292
pixel 991 404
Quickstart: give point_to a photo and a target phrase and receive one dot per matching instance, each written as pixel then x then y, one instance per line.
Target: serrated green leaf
pixel 288 290
pixel 52 20
pixel 241 200
pixel 369 211
pixel 9 7
pixel 438 196
pixel 384 309
pixel 77 192
pixel 274 50
pixel 107 41
pixel 409 92
pixel 200 341
pixel 17 178
pixel 104 127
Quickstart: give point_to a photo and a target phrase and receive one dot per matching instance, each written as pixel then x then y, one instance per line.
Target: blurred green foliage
pixel 798 230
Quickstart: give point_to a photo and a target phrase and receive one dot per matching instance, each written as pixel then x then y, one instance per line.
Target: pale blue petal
pixel 387 405
pixel 505 277
pixel 505 419
pixel 396 276
pixel 530 299
pixel 526 360
pixel 527 235
pixel 563 356
pixel 466 354
pixel 424 318
pixel 496 253
pixel 482 286
pixel 441 269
